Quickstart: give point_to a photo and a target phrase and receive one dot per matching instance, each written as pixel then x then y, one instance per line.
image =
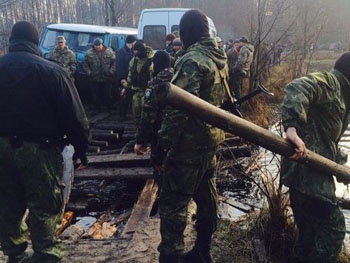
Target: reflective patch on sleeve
pixel 148 94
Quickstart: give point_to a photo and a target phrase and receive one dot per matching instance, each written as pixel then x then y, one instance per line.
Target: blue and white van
pixel 156 23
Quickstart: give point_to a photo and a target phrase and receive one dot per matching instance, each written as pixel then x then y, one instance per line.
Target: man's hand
pixel 300 148
pixel 138 149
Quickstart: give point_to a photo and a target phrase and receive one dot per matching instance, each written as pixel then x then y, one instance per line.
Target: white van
pixel 155 24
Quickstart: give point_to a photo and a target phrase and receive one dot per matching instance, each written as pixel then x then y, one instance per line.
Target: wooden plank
pixel 102 144
pixel 101 131
pixel 142 208
pixel 98 117
pixel 105 136
pixel 115 127
pixel 114 173
pixel 93 149
pixel 119 160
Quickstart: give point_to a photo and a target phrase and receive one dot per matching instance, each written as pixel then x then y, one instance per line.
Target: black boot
pixel 200 253
pixel 196 255
pixel 168 258
pixel 22 258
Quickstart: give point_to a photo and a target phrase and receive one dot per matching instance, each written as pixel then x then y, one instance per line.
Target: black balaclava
pixel 193 27
pixel 24 30
pixel 141 49
pixel 161 60
pixel 343 64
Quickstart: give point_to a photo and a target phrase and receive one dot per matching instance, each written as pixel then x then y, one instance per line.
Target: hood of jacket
pixel 20 45
pixel 209 48
pixel 248 46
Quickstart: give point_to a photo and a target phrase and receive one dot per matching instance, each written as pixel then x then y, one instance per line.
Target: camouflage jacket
pixel 318 106
pixel 198 72
pixel 65 58
pixel 245 58
pixel 99 69
pixel 135 71
pixel 152 116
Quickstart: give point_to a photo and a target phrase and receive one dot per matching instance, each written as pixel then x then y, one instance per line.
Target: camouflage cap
pixel 60 39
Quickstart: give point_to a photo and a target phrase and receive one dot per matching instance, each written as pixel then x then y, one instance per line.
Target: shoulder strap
pixel 227 88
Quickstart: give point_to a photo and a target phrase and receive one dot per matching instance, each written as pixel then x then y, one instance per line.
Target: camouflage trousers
pixel 183 180
pixel 321 229
pixel 30 177
pixel 137 104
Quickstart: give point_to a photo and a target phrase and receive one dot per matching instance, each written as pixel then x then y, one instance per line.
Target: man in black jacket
pixel 39 106
pixel 123 57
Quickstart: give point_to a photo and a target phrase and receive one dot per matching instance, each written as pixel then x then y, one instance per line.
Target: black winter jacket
pixel 38 99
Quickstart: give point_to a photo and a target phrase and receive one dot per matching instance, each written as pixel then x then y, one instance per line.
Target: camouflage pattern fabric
pixel 190 161
pixel 30 178
pixel 184 179
pixel 321 227
pixel 99 69
pixel 318 106
pixel 138 97
pixel 152 116
pixel 245 58
pixel 66 59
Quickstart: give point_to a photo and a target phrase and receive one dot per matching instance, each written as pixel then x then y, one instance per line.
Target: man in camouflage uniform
pixel 99 66
pixel 140 72
pixel 152 113
pixel 39 106
pixel 242 66
pixel 65 57
pixel 192 144
pixel 315 113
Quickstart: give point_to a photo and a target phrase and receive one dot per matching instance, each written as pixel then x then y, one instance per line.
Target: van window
pixel 154 36
pixel 76 41
pixel 114 43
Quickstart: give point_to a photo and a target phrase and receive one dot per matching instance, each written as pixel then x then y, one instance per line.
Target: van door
pixel 174 21
pixel 154 28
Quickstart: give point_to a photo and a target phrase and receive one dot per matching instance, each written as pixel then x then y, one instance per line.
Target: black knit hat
pixel 193 27
pixel 25 30
pixel 130 39
pixel 343 64
pixel 161 60
pixel 141 49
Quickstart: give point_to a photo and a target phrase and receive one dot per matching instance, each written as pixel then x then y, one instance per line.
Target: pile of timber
pixel 115 167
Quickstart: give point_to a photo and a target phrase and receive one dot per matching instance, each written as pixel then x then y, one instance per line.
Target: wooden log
pixel 142 208
pixel 92 131
pixel 106 152
pixel 99 117
pixel 115 127
pixel 181 99
pixel 128 137
pixel 105 136
pixel 233 141
pixel 93 149
pixel 102 144
pixel 114 173
pixel 119 160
